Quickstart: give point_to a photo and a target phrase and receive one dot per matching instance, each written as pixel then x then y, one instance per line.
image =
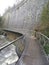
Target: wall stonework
pixel 24 15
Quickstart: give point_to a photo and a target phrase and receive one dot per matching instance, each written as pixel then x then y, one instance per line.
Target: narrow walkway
pixel 33 54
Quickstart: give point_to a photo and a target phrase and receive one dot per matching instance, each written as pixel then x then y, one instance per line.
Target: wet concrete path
pixel 33 54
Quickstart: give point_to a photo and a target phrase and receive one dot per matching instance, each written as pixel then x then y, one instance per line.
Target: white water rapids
pixel 8 55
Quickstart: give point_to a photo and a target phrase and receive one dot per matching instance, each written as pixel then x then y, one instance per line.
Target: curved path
pixel 33 54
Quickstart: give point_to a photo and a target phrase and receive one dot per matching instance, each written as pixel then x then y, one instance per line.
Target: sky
pixel 4 4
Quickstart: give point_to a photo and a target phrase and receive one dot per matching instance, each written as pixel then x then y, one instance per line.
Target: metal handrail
pixel 43 35
pixel 43 39
pixel 11 42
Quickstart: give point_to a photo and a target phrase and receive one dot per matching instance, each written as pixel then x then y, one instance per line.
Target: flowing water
pixel 8 54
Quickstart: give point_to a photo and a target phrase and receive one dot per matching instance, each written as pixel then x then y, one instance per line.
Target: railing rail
pixel 44 41
pixel 43 35
pixel 11 42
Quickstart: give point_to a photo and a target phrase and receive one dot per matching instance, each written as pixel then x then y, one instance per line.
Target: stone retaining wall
pixel 25 15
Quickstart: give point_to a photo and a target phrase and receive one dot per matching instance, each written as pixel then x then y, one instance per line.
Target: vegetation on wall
pixel 44 26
